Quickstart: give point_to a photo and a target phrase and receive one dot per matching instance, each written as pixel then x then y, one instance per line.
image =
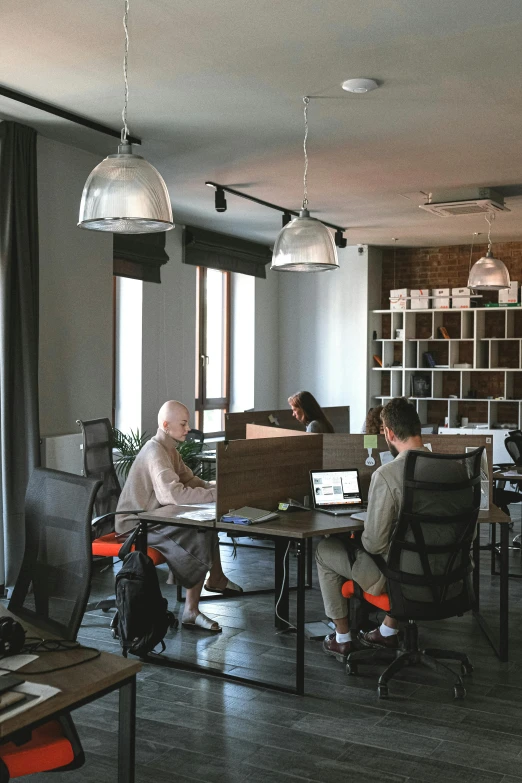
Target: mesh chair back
pixel 514 446
pixel 53 585
pixel 97 463
pixel 429 563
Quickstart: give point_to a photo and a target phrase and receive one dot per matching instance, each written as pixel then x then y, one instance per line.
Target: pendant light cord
pixel 125 129
pixel 489 219
pixel 306 101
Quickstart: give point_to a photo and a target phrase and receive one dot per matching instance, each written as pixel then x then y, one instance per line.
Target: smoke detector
pixel 472 201
pixel 359 85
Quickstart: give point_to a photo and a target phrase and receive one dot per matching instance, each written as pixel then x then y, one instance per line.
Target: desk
pixel 298 527
pixel 98 677
pixel 495 516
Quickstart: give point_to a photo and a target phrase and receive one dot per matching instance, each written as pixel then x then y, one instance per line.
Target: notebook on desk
pixel 337 492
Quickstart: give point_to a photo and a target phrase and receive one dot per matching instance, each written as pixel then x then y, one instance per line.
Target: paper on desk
pixel 198 516
pixel 204 505
pixel 511 473
pixel 36 693
pixel 15 662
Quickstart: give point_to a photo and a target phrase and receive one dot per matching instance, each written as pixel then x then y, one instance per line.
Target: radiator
pixel 63 452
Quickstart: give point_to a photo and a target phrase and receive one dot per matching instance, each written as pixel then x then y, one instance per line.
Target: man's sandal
pixel 231 587
pixel 202 623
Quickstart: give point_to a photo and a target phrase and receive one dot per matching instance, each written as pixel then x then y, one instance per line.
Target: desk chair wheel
pixel 382 691
pixel 459 691
pixel 114 627
pixel 351 668
pixel 173 621
pixel 466 668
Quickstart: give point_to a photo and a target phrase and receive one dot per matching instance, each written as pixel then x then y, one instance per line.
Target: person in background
pixel 307 410
pixel 373 424
pixel 159 477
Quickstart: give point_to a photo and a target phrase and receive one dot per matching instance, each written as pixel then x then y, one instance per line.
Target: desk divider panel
pixel 235 423
pixel 255 431
pixel 347 451
pixel 262 472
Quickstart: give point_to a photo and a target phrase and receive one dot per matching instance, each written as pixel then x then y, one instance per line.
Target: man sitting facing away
pixel 159 477
pixel 402 430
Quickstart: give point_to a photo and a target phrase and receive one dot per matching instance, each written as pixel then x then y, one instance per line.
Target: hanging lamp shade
pixel 125 194
pixel 489 274
pixel 304 245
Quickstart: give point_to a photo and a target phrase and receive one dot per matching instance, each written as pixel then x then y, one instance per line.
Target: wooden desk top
pixel 77 683
pixel 169 515
pixel 495 515
pixel 507 475
pixel 297 524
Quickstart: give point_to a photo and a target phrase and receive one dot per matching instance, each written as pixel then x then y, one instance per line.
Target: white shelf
pixel 454 310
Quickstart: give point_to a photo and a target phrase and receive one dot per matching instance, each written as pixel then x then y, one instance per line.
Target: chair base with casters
pixel 409 654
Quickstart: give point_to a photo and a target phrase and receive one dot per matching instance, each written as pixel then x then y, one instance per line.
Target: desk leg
pixel 476 569
pixel 127 732
pixel 309 561
pixel 493 538
pixel 299 663
pixel 281 582
pixel 504 593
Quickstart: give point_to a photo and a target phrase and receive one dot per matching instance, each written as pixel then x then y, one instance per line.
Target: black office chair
pixel 503 497
pixel 196 435
pixel 429 565
pixel 53 585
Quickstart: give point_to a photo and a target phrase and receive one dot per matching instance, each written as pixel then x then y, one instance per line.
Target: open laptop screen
pixel 336 487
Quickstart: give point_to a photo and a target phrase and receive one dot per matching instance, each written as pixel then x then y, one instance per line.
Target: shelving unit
pixel 488 339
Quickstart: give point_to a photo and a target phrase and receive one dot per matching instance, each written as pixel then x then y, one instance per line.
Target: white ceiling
pixel 216 93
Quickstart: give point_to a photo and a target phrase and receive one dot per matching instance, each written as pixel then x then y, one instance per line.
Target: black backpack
pixel 142 617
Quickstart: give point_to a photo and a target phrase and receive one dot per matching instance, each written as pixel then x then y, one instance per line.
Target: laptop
pixel 337 492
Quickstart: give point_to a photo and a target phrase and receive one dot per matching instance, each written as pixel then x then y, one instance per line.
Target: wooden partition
pixel 347 451
pixel 254 431
pixel 235 423
pixel 264 471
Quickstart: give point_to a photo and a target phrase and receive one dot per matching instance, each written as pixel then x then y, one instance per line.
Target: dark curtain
pixel 222 251
pixel 19 429
pixel 139 256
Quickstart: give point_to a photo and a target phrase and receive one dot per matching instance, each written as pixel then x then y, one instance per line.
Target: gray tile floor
pixel 193 727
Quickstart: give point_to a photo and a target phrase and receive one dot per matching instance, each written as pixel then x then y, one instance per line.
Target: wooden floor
pixel 198 728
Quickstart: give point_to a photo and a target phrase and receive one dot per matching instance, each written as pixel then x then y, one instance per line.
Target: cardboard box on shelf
pixel 460 298
pixel 509 295
pixel 399 299
pixel 420 299
pixel 441 298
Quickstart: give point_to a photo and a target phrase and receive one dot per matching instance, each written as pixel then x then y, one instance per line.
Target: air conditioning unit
pixel 468 202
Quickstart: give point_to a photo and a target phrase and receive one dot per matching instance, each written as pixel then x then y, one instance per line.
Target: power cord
pixel 35 646
pixel 283 620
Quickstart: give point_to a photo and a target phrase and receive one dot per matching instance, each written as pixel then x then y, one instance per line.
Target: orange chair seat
pixel 380 601
pixel 109 546
pixel 47 749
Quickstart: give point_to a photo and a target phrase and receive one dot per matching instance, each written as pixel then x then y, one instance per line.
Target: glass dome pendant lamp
pixel 489 273
pixel 304 244
pixel 125 194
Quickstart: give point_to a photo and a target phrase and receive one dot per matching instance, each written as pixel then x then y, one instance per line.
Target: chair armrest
pixel 103 517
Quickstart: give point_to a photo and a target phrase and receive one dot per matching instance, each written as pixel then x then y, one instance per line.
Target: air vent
pixel 485 200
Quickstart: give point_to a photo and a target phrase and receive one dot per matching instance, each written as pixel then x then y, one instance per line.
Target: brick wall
pixel 441 267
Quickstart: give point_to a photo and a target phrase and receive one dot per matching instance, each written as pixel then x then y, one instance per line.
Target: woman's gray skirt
pixel 189 553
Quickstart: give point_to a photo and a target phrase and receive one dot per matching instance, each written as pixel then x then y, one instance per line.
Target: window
pixel 213 351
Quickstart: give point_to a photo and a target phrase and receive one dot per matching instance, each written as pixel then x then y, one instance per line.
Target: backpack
pixel 142 617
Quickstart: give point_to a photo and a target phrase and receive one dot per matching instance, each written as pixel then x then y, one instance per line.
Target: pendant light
pixel 125 194
pixel 489 273
pixel 304 244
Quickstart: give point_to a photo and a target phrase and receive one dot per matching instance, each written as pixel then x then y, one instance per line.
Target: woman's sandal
pixel 202 623
pixel 231 587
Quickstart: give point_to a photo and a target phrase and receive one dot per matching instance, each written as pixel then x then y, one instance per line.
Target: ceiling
pixel 216 94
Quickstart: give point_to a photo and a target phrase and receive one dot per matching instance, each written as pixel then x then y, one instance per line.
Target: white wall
pixel 169 335
pixel 129 324
pixel 75 365
pixel 267 341
pixel 323 326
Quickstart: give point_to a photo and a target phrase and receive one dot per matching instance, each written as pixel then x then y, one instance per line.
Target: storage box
pixel 441 298
pixel 420 299
pixel 399 299
pixel 460 298
pixel 509 295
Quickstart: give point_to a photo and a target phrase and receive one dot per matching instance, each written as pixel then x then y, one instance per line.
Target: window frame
pixel 202 403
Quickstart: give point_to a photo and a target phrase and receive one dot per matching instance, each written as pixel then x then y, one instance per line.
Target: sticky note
pixel 370 441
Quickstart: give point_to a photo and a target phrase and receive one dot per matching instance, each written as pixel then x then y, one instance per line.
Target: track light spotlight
pixel 287 217
pixel 220 200
pixel 340 241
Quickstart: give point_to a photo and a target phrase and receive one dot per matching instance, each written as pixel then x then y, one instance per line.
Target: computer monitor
pixel 336 487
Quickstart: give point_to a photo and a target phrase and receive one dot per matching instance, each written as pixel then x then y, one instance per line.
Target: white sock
pixel 387 631
pixel 342 638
